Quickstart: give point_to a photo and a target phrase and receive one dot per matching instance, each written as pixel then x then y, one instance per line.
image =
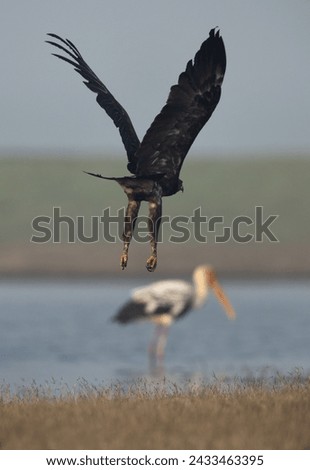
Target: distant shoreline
pixel 102 261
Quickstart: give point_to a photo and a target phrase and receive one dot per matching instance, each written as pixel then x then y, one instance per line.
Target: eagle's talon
pixel 151 263
pixel 124 259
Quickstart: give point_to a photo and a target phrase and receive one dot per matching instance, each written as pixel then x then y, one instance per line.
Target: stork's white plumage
pixel 163 302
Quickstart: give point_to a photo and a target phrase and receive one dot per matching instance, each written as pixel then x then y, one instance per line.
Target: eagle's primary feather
pixel 106 100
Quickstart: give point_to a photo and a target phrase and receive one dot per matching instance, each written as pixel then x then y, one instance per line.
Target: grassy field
pixel 32 187
pixel 244 415
pixel 29 188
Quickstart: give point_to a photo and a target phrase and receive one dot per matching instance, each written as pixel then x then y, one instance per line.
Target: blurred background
pixel 254 151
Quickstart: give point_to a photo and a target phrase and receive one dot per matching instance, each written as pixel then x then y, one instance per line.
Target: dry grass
pixel 239 415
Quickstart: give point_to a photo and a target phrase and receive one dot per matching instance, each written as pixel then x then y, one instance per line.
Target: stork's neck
pixel 200 287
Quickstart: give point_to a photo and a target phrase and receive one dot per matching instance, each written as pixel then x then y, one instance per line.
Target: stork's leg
pixel 129 225
pixel 154 220
pixel 158 345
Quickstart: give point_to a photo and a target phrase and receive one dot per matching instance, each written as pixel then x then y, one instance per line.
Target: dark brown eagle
pixel 156 162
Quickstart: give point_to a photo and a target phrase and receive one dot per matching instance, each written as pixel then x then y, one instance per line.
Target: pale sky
pixel 138 48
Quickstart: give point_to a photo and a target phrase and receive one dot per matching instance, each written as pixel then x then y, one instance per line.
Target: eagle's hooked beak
pixel 219 294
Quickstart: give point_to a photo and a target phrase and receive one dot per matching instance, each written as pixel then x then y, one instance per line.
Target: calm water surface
pixel 62 332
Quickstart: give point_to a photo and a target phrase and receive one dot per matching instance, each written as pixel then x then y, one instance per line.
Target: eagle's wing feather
pixel 105 99
pixel 189 106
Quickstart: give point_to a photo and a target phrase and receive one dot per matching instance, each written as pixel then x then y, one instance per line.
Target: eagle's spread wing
pixel 112 107
pixel 189 106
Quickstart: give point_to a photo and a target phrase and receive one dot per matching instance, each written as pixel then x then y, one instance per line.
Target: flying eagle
pixel 156 162
pixel 164 302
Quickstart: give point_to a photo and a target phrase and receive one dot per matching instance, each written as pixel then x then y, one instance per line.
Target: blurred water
pixel 61 331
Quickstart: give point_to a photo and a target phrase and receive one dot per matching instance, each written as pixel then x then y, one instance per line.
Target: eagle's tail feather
pixel 101 176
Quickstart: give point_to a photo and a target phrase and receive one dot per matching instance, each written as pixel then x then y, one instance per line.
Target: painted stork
pixel 156 162
pixel 164 302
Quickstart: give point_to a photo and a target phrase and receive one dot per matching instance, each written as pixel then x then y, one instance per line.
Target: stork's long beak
pixel 220 295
